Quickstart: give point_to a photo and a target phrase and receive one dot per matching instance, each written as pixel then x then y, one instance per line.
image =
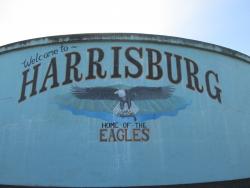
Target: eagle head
pixel 121 93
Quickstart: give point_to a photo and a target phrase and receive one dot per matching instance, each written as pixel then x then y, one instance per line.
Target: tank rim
pixel 125 37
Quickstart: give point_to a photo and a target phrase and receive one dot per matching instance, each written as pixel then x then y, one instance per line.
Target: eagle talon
pixel 130 112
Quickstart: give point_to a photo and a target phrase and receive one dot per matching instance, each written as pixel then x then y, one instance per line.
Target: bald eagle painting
pixel 122 103
pixel 124 96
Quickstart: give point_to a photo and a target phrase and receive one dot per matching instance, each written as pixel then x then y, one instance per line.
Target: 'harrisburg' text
pixel 125 63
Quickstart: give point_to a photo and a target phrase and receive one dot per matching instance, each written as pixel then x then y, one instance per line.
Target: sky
pixel 221 22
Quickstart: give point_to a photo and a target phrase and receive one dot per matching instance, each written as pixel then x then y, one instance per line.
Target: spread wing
pixel 144 93
pixel 96 93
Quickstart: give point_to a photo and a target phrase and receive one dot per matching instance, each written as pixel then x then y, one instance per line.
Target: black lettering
pixel 127 139
pixel 135 62
pixel 96 63
pixel 112 136
pixel 193 81
pixel 51 73
pixel 217 94
pixel 116 73
pixel 33 82
pixel 136 135
pixel 145 132
pixel 72 66
pixel 170 68
pixel 154 62
pixel 120 135
pixel 102 135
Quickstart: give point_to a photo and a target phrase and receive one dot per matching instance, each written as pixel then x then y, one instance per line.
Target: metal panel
pixel 103 110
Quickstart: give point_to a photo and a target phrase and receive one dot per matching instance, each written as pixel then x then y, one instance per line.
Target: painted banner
pixel 103 110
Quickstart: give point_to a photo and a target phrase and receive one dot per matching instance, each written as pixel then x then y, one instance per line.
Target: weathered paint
pixel 52 138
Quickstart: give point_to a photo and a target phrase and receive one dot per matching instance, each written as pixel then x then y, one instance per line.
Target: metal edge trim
pixel 239 183
pixel 126 37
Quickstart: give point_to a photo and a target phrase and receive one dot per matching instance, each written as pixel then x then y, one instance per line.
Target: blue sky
pixel 227 24
pixel 221 22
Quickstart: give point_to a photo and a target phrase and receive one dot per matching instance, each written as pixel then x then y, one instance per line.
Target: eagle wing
pixel 96 93
pixel 144 93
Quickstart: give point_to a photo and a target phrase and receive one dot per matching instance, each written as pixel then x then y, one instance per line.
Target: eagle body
pixel 124 98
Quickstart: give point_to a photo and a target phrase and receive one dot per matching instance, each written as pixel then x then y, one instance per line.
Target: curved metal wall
pixel 102 110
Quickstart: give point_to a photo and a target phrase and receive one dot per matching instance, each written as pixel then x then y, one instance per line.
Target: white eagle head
pixel 121 93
